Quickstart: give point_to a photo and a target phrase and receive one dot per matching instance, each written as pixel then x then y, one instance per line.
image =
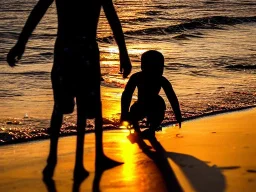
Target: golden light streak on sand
pixel 129 168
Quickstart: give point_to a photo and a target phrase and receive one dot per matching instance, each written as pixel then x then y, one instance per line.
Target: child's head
pixel 152 63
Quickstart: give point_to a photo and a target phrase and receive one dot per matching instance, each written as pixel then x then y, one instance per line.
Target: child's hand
pixel 15 54
pixel 124 124
pixel 125 65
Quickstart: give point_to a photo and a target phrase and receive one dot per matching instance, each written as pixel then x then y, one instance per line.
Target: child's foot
pixel 103 162
pixel 80 173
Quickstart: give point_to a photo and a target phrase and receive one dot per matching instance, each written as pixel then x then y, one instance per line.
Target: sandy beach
pixel 214 153
pixel 209 58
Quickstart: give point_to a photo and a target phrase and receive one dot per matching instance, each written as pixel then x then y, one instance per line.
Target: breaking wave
pixel 214 22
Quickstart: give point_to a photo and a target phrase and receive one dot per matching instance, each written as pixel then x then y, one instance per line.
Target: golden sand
pixel 209 154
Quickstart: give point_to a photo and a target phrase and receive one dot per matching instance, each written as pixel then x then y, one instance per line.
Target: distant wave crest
pixel 213 22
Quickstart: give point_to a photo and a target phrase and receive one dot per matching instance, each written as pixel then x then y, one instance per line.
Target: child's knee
pixel 156 116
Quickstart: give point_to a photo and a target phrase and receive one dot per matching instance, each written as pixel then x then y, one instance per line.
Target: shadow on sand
pixel 50 185
pixel 96 182
pixel 200 175
pixel 160 160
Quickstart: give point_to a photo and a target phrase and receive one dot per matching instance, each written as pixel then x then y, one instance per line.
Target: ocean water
pixel 210 59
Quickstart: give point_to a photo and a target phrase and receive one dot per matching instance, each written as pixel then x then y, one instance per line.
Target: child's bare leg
pixel 155 119
pixel 136 113
pixel 102 161
pixel 79 171
pixel 56 122
pixel 156 115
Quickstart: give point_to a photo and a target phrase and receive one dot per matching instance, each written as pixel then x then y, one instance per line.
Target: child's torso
pixel 148 87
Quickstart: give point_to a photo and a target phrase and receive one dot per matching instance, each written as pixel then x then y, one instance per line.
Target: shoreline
pixel 208 154
pixel 113 127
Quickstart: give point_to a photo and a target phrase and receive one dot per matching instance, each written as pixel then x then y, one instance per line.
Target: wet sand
pixel 209 154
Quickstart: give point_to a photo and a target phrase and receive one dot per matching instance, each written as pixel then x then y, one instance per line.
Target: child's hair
pixel 152 60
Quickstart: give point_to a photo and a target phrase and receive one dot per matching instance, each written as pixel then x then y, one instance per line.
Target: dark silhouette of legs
pixel 98 132
pixel 156 112
pixel 56 122
pixel 155 115
pixel 155 119
pixel 136 114
pixel 153 111
pixel 79 171
pixel 102 162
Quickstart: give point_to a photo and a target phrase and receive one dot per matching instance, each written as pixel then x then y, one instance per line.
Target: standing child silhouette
pixel 76 71
pixel 150 104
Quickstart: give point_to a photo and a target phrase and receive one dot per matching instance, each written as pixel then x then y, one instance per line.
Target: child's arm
pixel 127 97
pixel 172 99
pixel 34 18
pixel 125 64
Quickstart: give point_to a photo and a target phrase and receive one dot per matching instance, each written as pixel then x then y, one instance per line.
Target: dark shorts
pixel 154 111
pixel 76 74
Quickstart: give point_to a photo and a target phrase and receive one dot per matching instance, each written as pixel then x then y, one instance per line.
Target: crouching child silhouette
pixel 76 72
pixel 150 104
